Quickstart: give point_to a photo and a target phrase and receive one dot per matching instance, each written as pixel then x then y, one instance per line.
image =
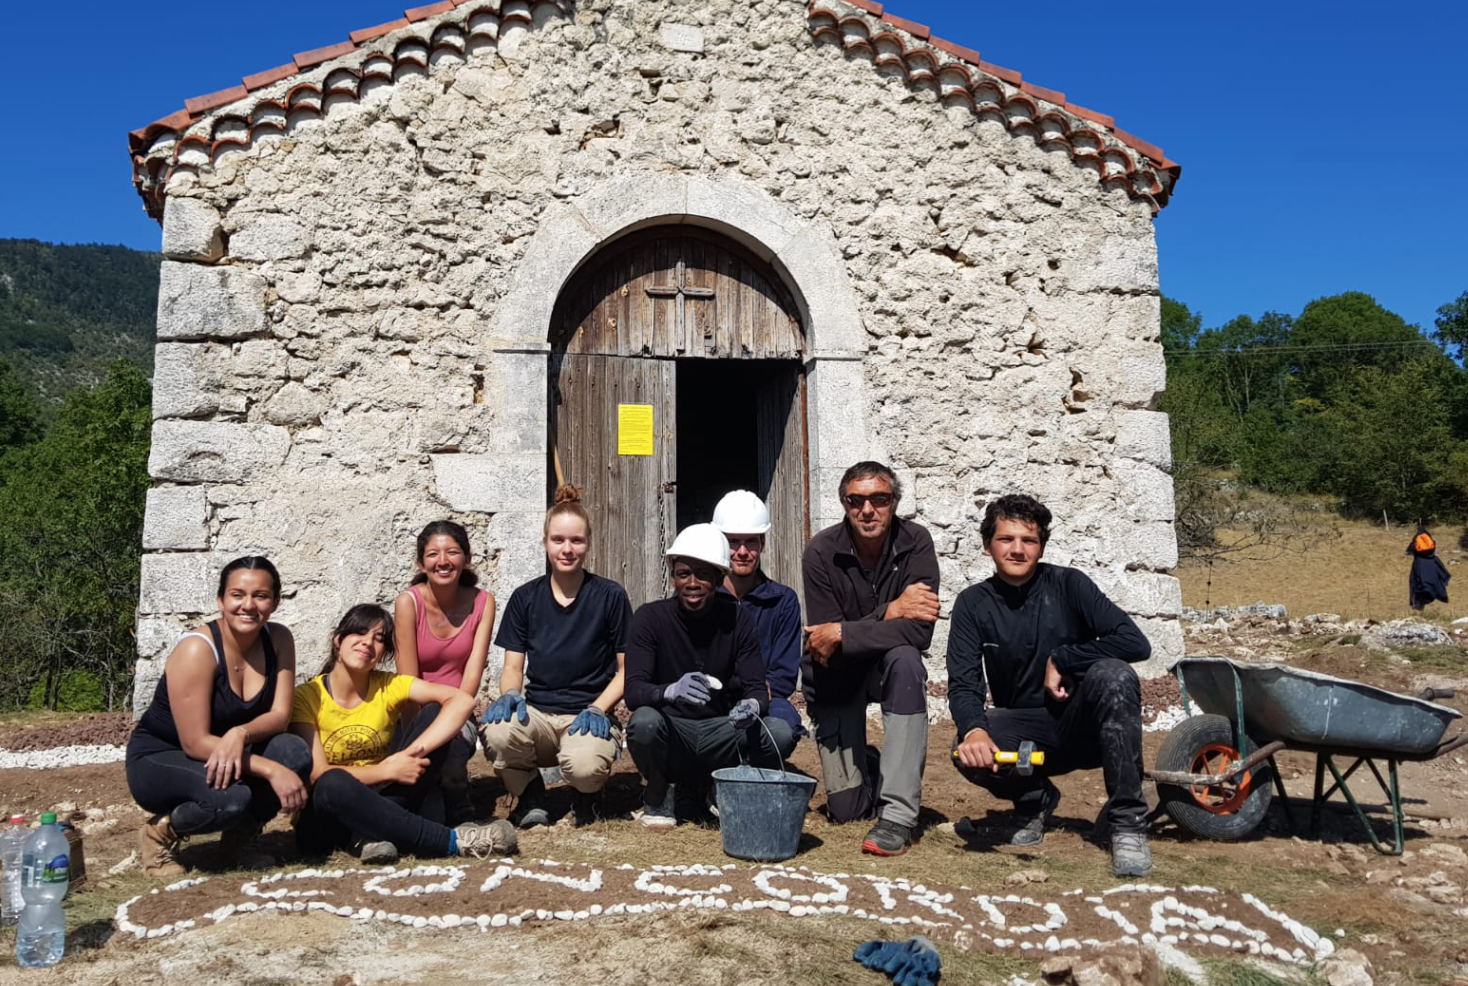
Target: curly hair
pixel 1016 506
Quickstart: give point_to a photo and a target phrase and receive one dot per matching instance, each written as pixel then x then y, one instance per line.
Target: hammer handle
pixel 1010 756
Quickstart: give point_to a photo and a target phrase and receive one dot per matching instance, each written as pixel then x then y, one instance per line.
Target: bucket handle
pixel 773 745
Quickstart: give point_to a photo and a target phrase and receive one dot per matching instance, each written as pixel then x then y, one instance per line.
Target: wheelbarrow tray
pixel 1305 708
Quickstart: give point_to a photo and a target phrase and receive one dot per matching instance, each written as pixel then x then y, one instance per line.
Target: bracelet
pixel 247 734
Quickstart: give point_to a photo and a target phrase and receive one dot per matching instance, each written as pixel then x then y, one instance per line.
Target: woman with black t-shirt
pixel 565 639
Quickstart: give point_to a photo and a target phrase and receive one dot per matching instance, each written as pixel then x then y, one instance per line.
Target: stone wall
pixel 329 377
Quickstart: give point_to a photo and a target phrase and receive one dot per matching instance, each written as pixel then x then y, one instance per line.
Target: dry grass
pixel 1360 574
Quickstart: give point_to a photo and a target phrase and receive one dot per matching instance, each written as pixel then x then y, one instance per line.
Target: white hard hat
pixel 701 542
pixel 741 512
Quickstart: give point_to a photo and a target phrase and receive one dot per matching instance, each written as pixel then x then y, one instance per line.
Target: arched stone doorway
pixel 693 327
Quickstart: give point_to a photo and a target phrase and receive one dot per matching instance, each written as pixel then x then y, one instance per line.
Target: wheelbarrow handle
pixel 1433 694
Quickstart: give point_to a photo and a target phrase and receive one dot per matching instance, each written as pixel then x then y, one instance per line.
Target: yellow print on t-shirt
pixel 359 736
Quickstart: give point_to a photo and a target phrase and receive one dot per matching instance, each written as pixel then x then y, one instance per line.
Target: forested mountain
pixel 67 311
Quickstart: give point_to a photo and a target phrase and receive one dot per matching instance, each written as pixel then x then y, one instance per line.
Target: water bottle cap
pixel 49 818
pixel 17 819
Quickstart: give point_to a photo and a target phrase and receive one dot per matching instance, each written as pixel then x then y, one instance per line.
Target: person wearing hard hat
pixel 695 681
pixel 871 598
pixel 745 520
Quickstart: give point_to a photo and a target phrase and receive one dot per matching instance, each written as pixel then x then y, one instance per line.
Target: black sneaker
pixel 530 809
pixel 1032 832
pixel 585 809
pixel 888 839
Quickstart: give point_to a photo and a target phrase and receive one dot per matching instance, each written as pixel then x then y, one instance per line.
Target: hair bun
pixel 566 493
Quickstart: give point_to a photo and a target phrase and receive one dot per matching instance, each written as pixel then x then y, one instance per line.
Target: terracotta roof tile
pixel 270 76
pixel 917 30
pixel 1040 92
pixel 1000 72
pixel 1138 144
pixel 429 10
pixel 1092 115
pixel 314 57
pixel 373 33
pixel 956 50
pixel 875 9
pixel 203 104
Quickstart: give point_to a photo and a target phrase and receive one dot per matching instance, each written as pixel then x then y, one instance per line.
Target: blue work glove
pixel 503 709
pixel 913 962
pixel 593 722
pixel 692 688
pixel 744 713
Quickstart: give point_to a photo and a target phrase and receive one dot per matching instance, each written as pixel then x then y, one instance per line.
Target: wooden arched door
pixel 695 327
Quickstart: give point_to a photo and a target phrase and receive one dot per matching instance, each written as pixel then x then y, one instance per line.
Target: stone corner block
pixel 196 302
pixel 192 230
pixel 1166 637
pixel 218 451
pixel 1145 436
pixel 490 483
pixel 175 583
pixel 175 519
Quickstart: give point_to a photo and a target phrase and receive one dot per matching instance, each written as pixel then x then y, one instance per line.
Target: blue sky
pixel 1322 143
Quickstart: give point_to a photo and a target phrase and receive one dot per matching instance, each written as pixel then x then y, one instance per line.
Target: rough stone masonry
pixel 362 257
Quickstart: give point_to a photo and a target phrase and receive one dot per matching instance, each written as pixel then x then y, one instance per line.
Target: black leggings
pixel 172 783
pixel 343 810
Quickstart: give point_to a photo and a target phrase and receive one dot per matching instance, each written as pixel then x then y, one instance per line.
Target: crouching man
pixel 1055 653
pixel 695 681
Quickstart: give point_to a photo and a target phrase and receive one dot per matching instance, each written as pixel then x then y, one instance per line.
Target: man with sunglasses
pixel 695 680
pixel 871 597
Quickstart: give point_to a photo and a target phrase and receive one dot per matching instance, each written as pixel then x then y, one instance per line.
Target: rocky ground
pixel 623 905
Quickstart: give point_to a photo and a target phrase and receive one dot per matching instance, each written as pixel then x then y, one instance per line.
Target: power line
pixel 1342 347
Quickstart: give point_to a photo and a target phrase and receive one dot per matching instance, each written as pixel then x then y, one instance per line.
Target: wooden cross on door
pixel 679 291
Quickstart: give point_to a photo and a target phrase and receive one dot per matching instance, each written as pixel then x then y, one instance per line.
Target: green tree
pixel 1180 326
pixel 1344 331
pixel 1452 327
pixel 71 517
pixel 20 417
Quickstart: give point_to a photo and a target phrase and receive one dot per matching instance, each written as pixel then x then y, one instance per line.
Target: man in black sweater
pixel 1056 654
pixel 695 680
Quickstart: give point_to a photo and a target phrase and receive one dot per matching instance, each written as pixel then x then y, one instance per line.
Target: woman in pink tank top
pixel 442 631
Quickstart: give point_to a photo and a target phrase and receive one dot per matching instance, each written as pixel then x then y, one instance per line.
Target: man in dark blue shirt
pixel 1055 653
pixel 745 520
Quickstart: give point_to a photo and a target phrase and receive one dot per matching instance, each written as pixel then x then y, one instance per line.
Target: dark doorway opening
pixel 740 426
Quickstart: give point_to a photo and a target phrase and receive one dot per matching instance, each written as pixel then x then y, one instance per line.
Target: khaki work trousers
pixel 518 750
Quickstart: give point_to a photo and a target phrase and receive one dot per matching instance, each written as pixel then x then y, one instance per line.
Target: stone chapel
pixel 660 249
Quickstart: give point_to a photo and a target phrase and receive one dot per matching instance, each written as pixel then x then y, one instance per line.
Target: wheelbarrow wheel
pixel 1229 809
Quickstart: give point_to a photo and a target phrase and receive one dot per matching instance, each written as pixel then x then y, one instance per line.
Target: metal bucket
pixel 761 811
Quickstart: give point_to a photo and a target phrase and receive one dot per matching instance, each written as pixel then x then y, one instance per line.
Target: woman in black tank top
pixel 211 753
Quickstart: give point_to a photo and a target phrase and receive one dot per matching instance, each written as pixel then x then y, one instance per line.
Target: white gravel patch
pixel 1166 719
pixel 61 756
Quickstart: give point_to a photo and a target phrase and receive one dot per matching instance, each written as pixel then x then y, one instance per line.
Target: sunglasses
pixel 856 501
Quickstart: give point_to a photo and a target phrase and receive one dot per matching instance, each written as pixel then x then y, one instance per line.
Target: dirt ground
pixel 1408 915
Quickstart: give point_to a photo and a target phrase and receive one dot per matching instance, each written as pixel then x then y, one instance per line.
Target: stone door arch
pixel 691 324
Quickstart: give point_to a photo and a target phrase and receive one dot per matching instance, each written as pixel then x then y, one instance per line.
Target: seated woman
pixel 211 753
pixel 369 779
pixel 565 637
pixel 442 635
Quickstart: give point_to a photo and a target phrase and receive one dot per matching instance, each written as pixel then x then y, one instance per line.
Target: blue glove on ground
pixel 913 962
pixel 505 707
pixel 692 688
pixel 744 713
pixel 593 722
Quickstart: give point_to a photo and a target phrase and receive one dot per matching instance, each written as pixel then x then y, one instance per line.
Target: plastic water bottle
pixel 12 847
pixel 40 938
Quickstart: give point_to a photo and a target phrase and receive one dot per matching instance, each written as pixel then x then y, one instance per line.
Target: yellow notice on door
pixel 634 429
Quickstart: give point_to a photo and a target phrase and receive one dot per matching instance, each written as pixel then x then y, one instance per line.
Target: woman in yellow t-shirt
pixel 366 790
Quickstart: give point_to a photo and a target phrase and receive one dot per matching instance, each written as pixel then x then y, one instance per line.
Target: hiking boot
pixel 237 849
pixel 378 853
pixel 658 814
pixel 1032 832
pixel 888 838
pixel 496 838
pixel 530 809
pixel 584 807
pixel 1130 855
pixel 158 848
